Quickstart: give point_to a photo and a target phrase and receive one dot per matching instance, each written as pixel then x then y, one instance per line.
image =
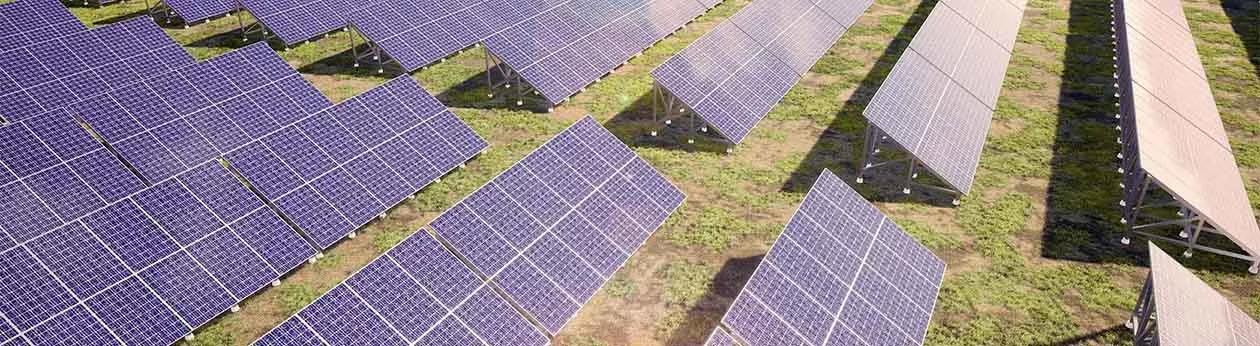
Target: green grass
pixel 1031 251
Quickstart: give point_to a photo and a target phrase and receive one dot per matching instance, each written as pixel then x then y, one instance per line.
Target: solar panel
pixel 938 100
pixel 541 231
pixel 416 291
pixel 61 173
pixel 565 48
pixel 195 11
pixel 25 22
pixel 153 266
pixel 841 273
pixel 415 35
pixel 331 180
pixel 1173 138
pixel 296 21
pixel 719 337
pixel 172 122
pixel 734 75
pixel 1189 311
pixel 73 65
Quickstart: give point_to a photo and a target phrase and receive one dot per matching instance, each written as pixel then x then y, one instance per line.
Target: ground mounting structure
pixel 1176 308
pixel 151 183
pixel 1180 174
pixel 734 75
pixel 841 273
pixel 937 103
pixel 512 263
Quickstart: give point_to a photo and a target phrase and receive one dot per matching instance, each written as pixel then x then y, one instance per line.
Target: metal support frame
pixel 874 143
pixel 666 108
pixel 374 52
pixel 1191 225
pixel 1142 322
pixel 510 79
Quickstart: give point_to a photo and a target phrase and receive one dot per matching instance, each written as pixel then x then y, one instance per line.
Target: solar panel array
pixel 150 268
pixel 177 120
pixel 334 171
pixel 24 22
pixel 73 65
pixel 417 34
pixel 841 273
pixel 939 99
pixel 567 47
pixel 195 11
pixel 1189 312
pixel 301 20
pixel 556 226
pixel 1172 130
pixel 549 232
pixel 734 75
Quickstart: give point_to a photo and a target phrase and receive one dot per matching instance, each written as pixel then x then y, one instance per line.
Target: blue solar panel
pixel 350 197
pixel 343 319
pixel 534 237
pixel 212 114
pixel 75 327
pixel 220 191
pixel 47 76
pixel 490 317
pixel 272 238
pixel 63 191
pixel 313 214
pixel 297 21
pixel 417 34
pixel 194 11
pixel 26 216
pixel 348 177
pixel 136 315
pixel 105 175
pixel 127 231
pixel 878 288
pixel 449 332
pixel 719 337
pixel 178 212
pixel 31 21
pixel 30 294
pixel 290 333
pixel 569 46
pixel 228 259
pixel 78 259
pixel 436 269
pixel 400 300
pixel 188 288
pixel 733 76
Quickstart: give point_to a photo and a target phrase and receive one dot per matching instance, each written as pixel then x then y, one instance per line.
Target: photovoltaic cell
pixel 415 292
pixel 228 259
pixel 516 229
pixel 417 34
pixel 567 46
pixel 330 180
pixel 809 291
pixel 67 63
pixel 938 101
pixel 296 21
pixel 194 11
pixel 188 288
pixel 734 75
pixel 136 315
pixel 75 327
pixel 30 294
pixel 31 21
pixel 192 114
pixel 1193 312
pixel 78 259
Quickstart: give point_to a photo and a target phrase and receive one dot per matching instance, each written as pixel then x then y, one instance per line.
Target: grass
pixel 1031 252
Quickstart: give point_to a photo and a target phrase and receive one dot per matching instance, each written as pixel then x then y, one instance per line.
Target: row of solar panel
pixel 31 21
pixel 734 75
pixel 549 232
pixel 46 75
pixel 1172 134
pixel 335 171
pixel 51 158
pixel 564 49
pixel 938 101
pixel 841 273
pixel 151 267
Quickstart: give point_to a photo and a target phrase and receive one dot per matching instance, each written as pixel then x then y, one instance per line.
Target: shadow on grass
pixel 1082 217
pixel 122 17
pixel 1244 17
pixel 707 313
pixel 839 148
pixel 646 131
pixel 1116 333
